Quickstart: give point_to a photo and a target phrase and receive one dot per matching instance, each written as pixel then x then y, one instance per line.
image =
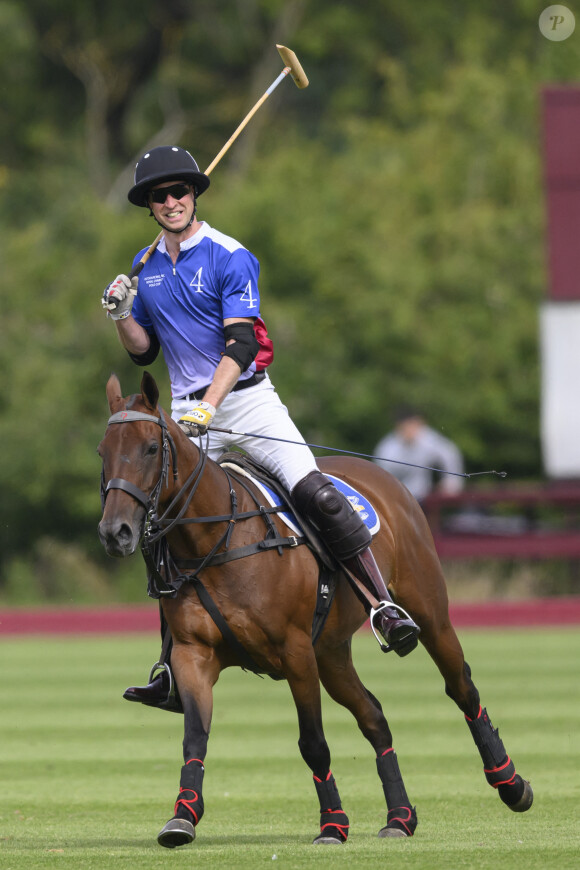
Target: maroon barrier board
pixel 544 612
pixel 561 145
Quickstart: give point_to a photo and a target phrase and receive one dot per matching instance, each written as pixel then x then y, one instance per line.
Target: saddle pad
pixel 359 502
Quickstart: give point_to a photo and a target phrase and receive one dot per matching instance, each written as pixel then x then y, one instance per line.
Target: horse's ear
pixel 150 390
pixel 114 393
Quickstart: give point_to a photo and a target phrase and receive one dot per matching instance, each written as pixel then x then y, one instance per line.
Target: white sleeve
pixel 446 455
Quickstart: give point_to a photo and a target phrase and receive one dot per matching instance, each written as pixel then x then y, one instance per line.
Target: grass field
pixel 87 780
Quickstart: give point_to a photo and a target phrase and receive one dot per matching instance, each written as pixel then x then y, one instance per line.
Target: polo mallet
pixel 293 67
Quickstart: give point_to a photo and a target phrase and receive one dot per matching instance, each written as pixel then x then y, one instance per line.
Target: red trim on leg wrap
pixel 502 775
pixel 332 821
pixel 190 796
pixel 404 818
pixel 188 802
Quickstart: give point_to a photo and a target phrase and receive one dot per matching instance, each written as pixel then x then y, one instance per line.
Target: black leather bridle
pixel 156 526
pixel 149 502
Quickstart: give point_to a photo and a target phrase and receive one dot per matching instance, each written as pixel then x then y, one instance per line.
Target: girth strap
pixel 247 661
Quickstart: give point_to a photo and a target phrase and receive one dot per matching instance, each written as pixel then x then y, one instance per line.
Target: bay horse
pixel 155 477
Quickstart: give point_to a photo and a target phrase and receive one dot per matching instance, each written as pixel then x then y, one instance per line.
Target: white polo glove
pixel 195 421
pixel 119 295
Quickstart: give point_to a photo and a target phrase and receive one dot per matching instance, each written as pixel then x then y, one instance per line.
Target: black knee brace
pixel 339 525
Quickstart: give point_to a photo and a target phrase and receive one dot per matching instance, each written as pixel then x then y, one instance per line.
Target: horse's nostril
pixel 125 533
pixel 117 538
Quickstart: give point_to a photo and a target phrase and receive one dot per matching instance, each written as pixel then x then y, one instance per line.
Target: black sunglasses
pixel 177 191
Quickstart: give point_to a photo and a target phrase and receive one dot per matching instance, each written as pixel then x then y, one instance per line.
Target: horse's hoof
pixel 327 841
pixel 391 832
pixel 177 832
pixel 526 799
pixel 401 822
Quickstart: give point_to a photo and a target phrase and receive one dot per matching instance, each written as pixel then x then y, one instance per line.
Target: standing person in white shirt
pixel 413 441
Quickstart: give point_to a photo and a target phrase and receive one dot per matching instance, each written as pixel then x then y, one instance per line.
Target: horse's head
pixel 136 452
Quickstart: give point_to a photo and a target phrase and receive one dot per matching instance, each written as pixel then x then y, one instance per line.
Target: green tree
pixel 396 206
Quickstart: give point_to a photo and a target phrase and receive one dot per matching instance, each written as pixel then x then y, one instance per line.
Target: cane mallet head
pixel 292 61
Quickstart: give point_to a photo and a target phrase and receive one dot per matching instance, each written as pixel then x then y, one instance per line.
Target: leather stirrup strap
pixel 166 647
pixel 359 586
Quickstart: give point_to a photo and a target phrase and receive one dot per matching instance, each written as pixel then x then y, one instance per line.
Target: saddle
pixel 276 495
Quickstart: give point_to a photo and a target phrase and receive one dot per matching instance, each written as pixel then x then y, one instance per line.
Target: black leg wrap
pixel 339 525
pixel 189 804
pixel 401 815
pixel 390 776
pixel 334 822
pixel 402 819
pixel 497 765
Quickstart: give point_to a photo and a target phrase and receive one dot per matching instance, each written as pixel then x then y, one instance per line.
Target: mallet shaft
pixel 248 118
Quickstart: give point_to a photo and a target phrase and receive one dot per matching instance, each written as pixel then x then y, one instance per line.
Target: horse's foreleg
pixel 195 676
pixel 302 675
pixel 343 684
pixel 445 650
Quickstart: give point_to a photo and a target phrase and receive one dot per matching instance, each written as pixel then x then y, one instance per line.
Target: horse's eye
pixel 153 449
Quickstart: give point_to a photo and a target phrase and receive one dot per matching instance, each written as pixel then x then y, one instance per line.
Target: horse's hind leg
pixel 342 683
pixel 444 648
pixel 302 675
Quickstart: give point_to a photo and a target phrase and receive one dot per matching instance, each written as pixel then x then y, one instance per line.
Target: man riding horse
pixel 199 302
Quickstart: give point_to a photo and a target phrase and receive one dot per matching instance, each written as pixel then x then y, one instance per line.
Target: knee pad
pixel 339 525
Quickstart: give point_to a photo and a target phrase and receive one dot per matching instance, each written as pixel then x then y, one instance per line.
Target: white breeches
pixel 258 410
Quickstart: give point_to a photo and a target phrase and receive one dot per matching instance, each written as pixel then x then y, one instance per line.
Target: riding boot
pixel 348 539
pixel 161 690
pixel 396 627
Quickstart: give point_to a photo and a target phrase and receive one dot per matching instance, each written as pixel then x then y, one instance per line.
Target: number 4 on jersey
pixel 248 295
pixel 196 281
